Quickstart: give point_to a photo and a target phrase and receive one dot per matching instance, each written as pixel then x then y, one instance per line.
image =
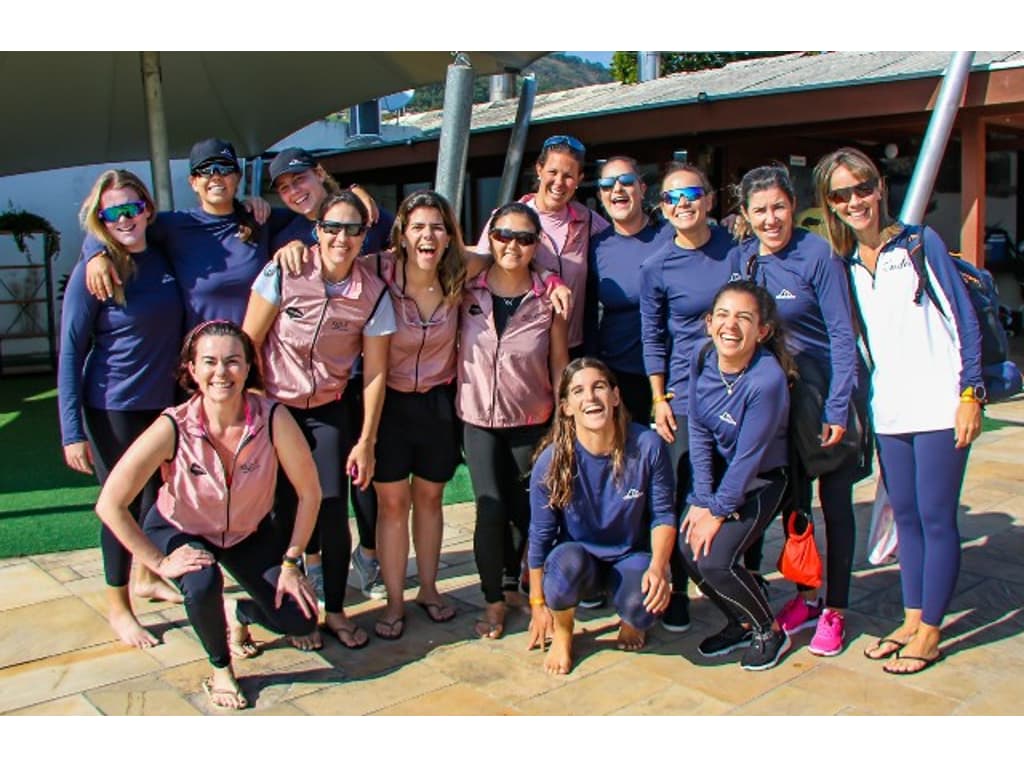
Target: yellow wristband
pixel 663 398
pixel 537 601
pixel 286 564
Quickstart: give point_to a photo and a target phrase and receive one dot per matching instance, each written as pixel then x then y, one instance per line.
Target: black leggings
pixel 836 494
pixel 110 433
pixel 635 389
pixel 255 562
pixel 327 430
pixel 679 454
pixel 363 502
pixel 719 575
pixel 499 463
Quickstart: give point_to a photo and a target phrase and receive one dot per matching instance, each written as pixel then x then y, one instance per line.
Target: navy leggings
pixel 255 562
pixel 923 472
pixel 363 502
pixel 110 434
pixel 719 575
pixel 327 430
pixel 679 455
pixel 570 573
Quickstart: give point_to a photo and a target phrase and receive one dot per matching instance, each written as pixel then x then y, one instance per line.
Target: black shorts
pixel 418 435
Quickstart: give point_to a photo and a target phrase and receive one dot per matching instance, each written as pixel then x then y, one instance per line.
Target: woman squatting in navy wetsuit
pixel 927 390
pixel 602 515
pixel 737 412
pixel 678 283
pixel 116 371
pixel 218 454
pixel 812 294
pixel 310 329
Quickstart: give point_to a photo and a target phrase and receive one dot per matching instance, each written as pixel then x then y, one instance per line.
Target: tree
pixel 624 63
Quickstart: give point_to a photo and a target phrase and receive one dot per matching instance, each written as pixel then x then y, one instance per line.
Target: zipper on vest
pixel 312 347
pixel 229 476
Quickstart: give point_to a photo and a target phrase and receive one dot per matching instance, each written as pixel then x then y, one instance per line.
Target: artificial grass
pixel 46 507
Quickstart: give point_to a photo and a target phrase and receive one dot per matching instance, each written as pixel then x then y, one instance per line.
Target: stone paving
pixel 57 655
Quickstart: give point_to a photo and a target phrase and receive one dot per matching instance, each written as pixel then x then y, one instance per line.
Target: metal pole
pixel 453 145
pixel 951 93
pixel 648 65
pixel 159 155
pixel 517 141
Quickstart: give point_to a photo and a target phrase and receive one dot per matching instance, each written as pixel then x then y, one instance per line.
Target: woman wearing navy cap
pixel 927 390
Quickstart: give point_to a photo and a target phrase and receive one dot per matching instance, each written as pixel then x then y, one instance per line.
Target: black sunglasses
pixel 508 235
pixel 843 194
pixel 350 228
pixel 215 169
pixel 625 179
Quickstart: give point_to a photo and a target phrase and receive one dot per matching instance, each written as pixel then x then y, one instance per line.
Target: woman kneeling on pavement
pixel 218 454
pixel 738 410
pixel 602 515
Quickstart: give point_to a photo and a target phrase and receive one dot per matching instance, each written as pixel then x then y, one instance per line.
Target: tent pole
pixel 517 140
pixel 159 154
pixel 951 93
pixel 453 145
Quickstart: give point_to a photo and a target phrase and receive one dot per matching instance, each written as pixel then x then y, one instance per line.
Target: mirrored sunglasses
pixel 625 179
pixel 673 196
pixel 215 169
pixel 843 194
pixel 129 210
pixel 350 228
pixel 508 235
pixel 570 141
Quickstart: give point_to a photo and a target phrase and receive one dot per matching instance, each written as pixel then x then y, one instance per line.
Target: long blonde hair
pixel 562 436
pixel 89 216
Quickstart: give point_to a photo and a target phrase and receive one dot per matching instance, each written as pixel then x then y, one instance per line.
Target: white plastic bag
pixel 882 543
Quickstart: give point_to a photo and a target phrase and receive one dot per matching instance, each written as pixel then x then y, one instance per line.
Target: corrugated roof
pixel 791 72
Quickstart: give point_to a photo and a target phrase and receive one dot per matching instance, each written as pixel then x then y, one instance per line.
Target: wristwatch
pixel 974 394
pixel 291 562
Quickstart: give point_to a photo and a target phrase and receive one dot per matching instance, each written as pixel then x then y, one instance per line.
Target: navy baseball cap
pixel 291 160
pixel 211 151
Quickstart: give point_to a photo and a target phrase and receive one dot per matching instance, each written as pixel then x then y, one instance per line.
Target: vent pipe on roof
pixel 503 86
pixel 648 65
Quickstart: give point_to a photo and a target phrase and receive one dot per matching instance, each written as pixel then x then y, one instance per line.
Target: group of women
pixel 394 365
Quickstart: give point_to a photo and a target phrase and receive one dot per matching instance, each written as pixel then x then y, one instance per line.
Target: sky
pixel 598 57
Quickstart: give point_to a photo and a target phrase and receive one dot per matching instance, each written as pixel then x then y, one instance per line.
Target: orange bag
pixel 799 560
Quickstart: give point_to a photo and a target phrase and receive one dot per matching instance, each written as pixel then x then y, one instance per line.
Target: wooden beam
pixel 972 189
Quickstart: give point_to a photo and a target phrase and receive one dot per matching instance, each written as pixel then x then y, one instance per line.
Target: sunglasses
pixel 673 196
pixel 625 179
pixel 350 228
pixel 570 141
pixel 843 194
pixel 215 169
pixel 508 235
pixel 128 210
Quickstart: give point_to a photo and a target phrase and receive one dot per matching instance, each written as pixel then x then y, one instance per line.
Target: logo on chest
pixel 249 466
pixel 633 493
pixel 293 312
pixel 196 469
pixel 727 418
pixel 893 265
pixel 784 294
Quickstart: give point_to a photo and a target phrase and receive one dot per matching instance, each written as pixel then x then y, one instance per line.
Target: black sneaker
pixel 677 616
pixel 728 640
pixel 593 601
pixel 766 648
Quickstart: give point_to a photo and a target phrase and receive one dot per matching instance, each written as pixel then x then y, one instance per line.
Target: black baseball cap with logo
pixel 211 151
pixel 291 160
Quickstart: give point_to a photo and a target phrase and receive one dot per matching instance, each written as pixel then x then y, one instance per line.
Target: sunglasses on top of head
pixel 843 194
pixel 625 179
pixel 215 169
pixel 350 228
pixel 521 237
pixel 128 210
pixel 570 141
pixel 673 196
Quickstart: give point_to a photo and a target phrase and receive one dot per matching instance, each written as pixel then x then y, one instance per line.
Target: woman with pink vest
pixel 417 445
pixel 512 351
pixel 310 328
pixel 218 454
pixel 566 225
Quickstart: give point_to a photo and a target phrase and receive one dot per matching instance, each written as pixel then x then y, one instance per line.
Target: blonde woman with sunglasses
pixel 309 329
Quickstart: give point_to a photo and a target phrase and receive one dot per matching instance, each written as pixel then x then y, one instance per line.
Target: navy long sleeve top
pixel 746 428
pixel 610 517
pixel 611 316
pixel 811 290
pixel 119 358
pixel 677 288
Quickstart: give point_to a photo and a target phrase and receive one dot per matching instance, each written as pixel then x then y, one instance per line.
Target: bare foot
pixel 129 631
pixel 158 590
pixel 891 644
pixel 349 634
pixel 223 691
pixel 491 625
pixel 558 660
pixel 630 638
pixel 311 642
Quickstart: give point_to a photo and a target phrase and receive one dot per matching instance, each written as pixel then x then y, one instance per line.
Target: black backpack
pixel 1002 379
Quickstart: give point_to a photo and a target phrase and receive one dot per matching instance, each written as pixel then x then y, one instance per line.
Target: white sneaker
pixel 368 571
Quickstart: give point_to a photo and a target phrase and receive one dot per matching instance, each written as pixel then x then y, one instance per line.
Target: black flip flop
pixel 884 656
pixel 927 663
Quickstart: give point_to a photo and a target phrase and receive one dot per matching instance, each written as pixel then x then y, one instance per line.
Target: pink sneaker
pixel 797 614
pixel 828 637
